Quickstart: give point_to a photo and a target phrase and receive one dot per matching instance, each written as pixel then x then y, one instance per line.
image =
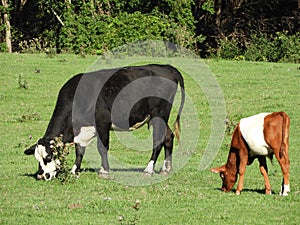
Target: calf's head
pixel 48 167
pixel 228 177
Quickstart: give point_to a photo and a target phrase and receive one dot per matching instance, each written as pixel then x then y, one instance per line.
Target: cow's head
pixel 48 167
pixel 228 178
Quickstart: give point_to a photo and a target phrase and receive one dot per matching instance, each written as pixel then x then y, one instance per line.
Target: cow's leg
pixel 168 146
pixel 103 150
pixel 264 171
pixel 80 150
pixel 103 146
pixel 83 138
pixel 159 132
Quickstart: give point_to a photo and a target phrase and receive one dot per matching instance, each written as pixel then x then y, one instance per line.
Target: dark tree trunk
pixel 7 27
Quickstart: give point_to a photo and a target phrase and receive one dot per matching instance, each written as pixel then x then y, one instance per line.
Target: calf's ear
pixel 218 169
pixel 30 151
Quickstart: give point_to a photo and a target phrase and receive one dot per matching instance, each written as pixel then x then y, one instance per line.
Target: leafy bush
pixel 3 47
pixel 228 49
pixel 280 47
pixel 30 46
pixel 290 45
pixel 98 33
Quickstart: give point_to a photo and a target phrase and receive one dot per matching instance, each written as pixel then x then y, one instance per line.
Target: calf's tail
pixel 285 134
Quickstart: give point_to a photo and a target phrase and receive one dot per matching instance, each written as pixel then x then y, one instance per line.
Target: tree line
pixel 240 29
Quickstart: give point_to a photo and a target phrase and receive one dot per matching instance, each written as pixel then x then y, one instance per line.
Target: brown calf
pixel 258 136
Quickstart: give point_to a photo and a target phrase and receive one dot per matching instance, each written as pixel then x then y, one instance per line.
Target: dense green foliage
pixel 276 48
pixel 260 31
pixel 190 196
pixel 101 32
pixel 97 26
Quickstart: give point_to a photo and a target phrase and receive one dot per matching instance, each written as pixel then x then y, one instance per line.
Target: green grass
pixel 189 196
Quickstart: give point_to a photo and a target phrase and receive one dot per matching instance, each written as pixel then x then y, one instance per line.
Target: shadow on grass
pixel 135 169
pixel 96 170
pixel 34 175
pixel 259 191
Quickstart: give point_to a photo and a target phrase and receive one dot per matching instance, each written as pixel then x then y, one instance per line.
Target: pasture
pixel 29 85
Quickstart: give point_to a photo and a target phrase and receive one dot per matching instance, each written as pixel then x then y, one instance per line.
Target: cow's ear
pixel 30 151
pixel 218 169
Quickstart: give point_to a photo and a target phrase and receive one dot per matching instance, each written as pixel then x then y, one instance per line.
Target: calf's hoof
pixel 268 192
pixel 285 189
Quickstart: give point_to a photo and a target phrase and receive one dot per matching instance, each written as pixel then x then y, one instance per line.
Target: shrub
pixel 3 47
pixel 228 49
pixel 280 47
pixel 290 45
pixel 262 48
pixel 100 32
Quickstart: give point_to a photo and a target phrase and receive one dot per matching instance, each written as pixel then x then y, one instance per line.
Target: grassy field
pixel 29 86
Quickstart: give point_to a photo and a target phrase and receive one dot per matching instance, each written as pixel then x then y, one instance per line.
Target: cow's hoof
pixel 146 174
pixel 237 192
pixel 40 177
pixel 75 175
pixel 104 175
pixel 164 172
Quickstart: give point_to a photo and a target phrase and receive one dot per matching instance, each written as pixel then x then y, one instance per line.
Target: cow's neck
pixel 56 127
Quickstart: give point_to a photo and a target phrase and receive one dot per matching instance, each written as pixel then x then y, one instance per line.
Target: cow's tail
pixel 177 122
pixel 285 134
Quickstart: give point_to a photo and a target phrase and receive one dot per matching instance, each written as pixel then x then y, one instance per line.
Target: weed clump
pixel 60 152
pixel 29 117
pixel 23 84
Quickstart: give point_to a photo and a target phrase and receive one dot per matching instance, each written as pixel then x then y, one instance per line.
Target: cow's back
pixel 133 93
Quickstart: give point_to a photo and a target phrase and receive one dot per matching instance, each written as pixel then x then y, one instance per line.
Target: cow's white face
pixel 48 166
pixel 49 171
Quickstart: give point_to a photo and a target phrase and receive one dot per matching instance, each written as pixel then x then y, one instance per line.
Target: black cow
pixel 90 105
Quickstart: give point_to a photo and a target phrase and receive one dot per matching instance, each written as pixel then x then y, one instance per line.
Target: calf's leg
pixel 284 163
pixel 278 129
pixel 243 157
pixel 264 171
pixel 242 161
